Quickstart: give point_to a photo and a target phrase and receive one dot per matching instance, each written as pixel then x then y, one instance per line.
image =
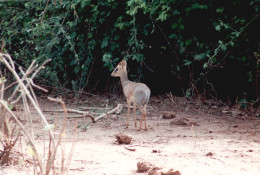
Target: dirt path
pixel 193 140
pixel 213 147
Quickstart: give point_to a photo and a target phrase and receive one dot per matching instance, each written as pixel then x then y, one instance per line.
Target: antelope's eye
pixel 116 69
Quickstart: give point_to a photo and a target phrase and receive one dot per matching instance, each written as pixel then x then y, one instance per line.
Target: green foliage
pixel 243 103
pixel 80 34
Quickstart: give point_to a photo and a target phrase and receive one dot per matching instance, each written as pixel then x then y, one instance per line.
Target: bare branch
pixel 116 110
pixel 29 70
pixel 45 11
pixel 26 91
pixel 34 85
pixel 32 77
pixel 24 131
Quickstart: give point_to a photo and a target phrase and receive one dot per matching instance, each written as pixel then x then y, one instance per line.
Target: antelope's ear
pixel 123 63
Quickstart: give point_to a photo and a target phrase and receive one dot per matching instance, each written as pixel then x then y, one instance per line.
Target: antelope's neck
pixel 124 78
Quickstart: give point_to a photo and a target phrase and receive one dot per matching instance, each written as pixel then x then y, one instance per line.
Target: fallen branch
pixel 116 110
pixel 92 108
pixel 68 110
pixel 82 116
pixel 130 147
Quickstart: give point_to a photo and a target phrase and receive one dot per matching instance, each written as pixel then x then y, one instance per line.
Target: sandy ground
pixel 187 136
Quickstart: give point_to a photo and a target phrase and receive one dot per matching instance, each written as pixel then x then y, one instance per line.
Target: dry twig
pixel 116 110
pixel 51 159
pixel 25 133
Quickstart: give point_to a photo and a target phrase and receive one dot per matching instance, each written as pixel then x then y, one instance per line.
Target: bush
pixel 189 43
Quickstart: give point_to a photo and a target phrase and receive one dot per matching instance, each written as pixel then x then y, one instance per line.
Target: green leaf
pixel 121 25
pixel 223 47
pixel 175 12
pixel 236 34
pixel 174 25
pixel 113 46
pixel 162 16
pixel 145 29
pixel 73 35
pixel 188 93
pixel 220 42
pixel 182 50
pixel 115 60
pixel 243 58
pixel 188 42
pixel 77 69
pixel 104 42
pixel 187 62
pixel 11 106
pixel 199 56
pixel 107 57
pixel 205 65
pixel 218 27
pixel 220 10
pixel 225 25
pixel 173 36
pixel 243 103
pixel 84 3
